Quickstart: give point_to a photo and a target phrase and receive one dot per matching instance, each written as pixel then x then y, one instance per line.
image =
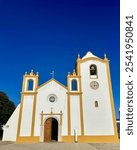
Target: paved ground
pixel 58 146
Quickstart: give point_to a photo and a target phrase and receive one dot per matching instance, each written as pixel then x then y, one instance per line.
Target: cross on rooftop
pixel 52 74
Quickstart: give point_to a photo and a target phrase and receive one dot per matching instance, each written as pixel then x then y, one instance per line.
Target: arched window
pixel 74 85
pixel 30 85
pixel 96 103
pixel 93 71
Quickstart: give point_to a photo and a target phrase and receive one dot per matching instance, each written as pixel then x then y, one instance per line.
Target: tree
pixel 6 108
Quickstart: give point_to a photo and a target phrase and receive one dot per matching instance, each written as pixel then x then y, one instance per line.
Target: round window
pixel 52 99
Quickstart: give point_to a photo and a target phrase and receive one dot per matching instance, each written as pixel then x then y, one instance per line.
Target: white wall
pixel 43 104
pixel 97 121
pixel 26 120
pixel 10 129
pixel 75 114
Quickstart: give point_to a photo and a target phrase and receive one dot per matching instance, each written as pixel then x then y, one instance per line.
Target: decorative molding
pixel 52 79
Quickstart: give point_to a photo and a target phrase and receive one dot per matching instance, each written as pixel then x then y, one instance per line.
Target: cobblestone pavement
pixel 58 146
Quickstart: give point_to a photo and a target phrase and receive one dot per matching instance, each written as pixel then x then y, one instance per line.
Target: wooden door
pixel 48 130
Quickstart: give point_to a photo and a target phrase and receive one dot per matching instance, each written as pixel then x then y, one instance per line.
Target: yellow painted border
pixel 101 139
pixel 93 58
pixel 68 139
pixel 80 99
pixel 28 93
pixel 68 107
pixel 51 81
pixel 20 117
pixel 33 116
pixel 34 93
pixel 111 100
pixel 28 139
pixel 91 139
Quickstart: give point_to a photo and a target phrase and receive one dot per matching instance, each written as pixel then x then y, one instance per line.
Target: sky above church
pixel 46 35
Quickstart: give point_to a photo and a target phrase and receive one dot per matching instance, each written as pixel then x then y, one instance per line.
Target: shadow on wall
pixel 118 127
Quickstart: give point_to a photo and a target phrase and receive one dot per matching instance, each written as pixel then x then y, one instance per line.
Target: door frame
pixel 44 117
pixel 51 127
pixel 59 127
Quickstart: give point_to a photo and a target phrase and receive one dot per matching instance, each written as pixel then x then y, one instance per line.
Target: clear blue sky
pixel 47 35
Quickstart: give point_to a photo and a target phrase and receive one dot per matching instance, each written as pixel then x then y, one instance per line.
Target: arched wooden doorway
pixel 51 130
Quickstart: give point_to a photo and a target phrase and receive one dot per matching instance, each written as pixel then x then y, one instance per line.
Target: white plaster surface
pixel 10 128
pixel 26 121
pixel 75 115
pixel 88 54
pixel 44 105
pixel 97 121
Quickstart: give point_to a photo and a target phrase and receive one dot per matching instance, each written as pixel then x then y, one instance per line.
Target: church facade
pixel 82 111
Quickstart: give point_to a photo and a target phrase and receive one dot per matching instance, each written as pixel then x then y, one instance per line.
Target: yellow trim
pixel 51 115
pixel 23 93
pixel 93 58
pixel 23 84
pixel 28 75
pixel 81 116
pixel 33 116
pixel 81 100
pixel 20 117
pixel 111 100
pixel 69 93
pixel 28 139
pixel 26 81
pixel 69 123
pixel 71 76
pixel 92 139
pixel 29 93
pixel 68 83
pixel 36 82
pixel 21 107
pixel 110 138
pixel 78 67
pixel 68 104
pixel 83 139
pixel 67 139
pixel 51 81
pixel 74 93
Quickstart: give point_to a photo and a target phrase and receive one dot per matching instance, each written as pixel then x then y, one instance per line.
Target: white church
pixel 82 111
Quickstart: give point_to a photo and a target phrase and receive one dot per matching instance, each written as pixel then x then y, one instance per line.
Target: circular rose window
pixel 52 98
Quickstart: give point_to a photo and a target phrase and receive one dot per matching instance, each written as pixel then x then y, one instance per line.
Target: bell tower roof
pixel 88 54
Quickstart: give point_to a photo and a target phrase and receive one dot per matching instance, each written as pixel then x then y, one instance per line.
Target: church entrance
pixel 51 130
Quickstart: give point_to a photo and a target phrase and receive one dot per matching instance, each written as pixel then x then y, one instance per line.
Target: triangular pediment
pixel 52 80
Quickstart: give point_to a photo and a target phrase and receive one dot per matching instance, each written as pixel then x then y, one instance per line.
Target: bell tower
pixel 28 107
pixel 75 108
pixel 30 82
